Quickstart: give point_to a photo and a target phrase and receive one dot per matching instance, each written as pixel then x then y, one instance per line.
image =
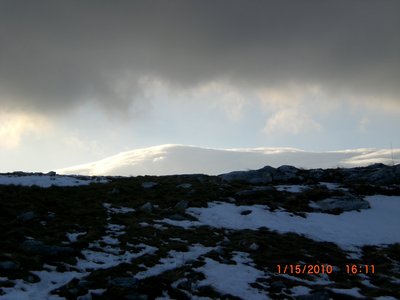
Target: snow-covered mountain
pixel 180 159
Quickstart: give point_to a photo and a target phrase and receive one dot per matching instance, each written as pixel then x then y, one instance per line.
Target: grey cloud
pixel 55 54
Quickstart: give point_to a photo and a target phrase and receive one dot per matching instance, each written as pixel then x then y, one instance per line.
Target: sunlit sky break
pixel 82 80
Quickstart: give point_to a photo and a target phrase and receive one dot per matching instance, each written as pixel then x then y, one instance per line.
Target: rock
pixel 74 236
pixel 219 250
pixel 286 169
pixel 114 191
pixel 32 278
pixel 317 295
pixel 185 284
pixel 286 173
pixel 246 212
pixel 177 217
pixel 19 173
pixel 316 174
pixel 123 282
pixel 84 283
pixel 277 286
pixel 135 296
pixel 347 202
pixel 149 184
pixel 384 175
pixel 147 207
pixel 8 265
pixel 73 291
pixel 226 241
pixel 87 296
pixel 182 205
pixel 254 247
pixel 255 190
pixel 184 186
pixel 38 247
pixel 265 175
pixel 376 174
pixel 51 173
pixel 227 199
pixel 92 294
pixel 27 216
pixel 261 176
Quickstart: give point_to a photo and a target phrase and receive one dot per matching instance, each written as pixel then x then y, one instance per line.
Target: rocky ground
pixel 235 236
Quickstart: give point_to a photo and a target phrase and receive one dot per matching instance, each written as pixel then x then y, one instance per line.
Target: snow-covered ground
pixel 233 279
pixel 46 181
pixel 180 159
pixel 377 225
pixel 95 257
pixel 174 260
pixel 237 275
pixel 374 226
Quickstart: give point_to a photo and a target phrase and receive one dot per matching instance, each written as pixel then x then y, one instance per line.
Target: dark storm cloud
pixel 54 54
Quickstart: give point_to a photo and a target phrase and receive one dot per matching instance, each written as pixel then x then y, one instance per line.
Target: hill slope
pixel 180 159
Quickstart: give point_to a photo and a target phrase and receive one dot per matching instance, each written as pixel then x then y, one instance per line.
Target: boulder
pixel 133 295
pixel 185 284
pixel 384 175
pixel 255 190
pixel 347 202
pixel 246 212
pixel 286 173
pixel 376 174
pixel 316 174
pixel 8 265
pixel 182 205
pixel 31 278
pixel 316 295
pixel 184 186
pixel 277 286
pixel 27 216
pixel 261 176
pixel 254 247
pixel 149 184
pixel 177 217
pixel 114 191
pixel 265 175
pixel 123 282
pixel 147 207
pixel 40 248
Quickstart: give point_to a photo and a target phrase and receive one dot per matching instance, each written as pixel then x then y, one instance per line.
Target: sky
pixel 82 80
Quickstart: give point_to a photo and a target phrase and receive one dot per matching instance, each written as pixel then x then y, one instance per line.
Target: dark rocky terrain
pixel 121 239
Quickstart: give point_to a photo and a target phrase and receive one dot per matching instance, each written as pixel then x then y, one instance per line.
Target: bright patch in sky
pixel 13 127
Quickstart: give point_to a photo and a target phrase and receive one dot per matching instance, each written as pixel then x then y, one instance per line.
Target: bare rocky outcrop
pixel 347 202
pixel 265 175
pixel 376 174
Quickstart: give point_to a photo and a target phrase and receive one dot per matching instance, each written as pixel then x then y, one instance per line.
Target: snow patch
pixel 230 279
pixel 348 229
pixel 174 260
pixel 73 236
pixel 46 181
pixel 291 188
pixel 117 210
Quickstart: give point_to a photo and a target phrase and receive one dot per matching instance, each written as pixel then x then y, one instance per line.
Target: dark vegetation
pixel 44 216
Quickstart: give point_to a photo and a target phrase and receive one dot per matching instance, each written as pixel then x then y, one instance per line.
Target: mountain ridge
pixel 171 159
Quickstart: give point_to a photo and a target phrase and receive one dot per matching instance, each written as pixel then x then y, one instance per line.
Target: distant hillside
pixel 180 159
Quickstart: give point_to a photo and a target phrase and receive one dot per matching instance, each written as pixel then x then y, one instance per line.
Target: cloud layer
pixel 56 54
